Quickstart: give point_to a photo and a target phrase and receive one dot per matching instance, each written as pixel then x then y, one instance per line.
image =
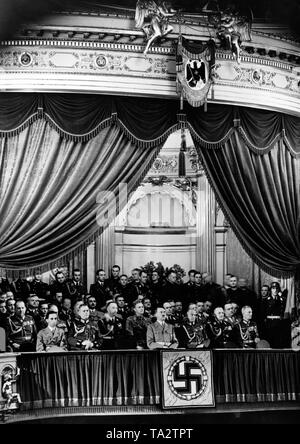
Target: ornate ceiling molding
pixel 105 55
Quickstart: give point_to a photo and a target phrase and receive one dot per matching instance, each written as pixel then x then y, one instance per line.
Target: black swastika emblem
pixel 187 378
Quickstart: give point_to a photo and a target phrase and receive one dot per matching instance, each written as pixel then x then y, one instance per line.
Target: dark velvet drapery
pixel 259 193
pixel 134 378
pixel 256 376
pixel 252 159
pixel 49 190
pixel 87 379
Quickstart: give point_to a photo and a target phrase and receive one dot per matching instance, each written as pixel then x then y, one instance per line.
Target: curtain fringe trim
pixel 210 145
pixel 79 137
pixel 269 147
pixel 253 256
pixel 148 143
pixel 113 119
pixel 16 131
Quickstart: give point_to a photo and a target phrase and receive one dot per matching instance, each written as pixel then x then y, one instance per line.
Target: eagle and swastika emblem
pixel 187 378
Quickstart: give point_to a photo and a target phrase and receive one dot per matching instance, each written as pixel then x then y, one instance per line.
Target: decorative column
pixel 90 265
pixel 105 250
pixel 205 246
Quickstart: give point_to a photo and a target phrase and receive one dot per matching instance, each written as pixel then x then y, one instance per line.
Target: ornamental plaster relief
pixel 98 67
pixel 91 62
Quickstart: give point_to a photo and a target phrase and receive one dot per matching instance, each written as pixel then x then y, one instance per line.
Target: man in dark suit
pixel 59 286
pixel 171 289
pixel 38 287
pixel 113 283
pixel 99 289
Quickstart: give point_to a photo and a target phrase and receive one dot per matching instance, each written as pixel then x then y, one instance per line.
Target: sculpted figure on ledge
pixel 153 18
pixel 232 29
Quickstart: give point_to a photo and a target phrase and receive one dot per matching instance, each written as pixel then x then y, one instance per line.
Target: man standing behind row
pixel 99 290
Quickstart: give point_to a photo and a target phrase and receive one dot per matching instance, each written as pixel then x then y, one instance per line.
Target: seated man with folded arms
pixel 160 334
pixel 51 338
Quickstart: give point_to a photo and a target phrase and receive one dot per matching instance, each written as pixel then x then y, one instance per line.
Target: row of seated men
pixel 48 328
pixel 268 310
pixel 85 328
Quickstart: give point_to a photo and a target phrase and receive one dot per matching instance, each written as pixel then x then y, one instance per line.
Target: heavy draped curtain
pixel 122 377
pixel 49 187
pixel 59 150
pixel 259 195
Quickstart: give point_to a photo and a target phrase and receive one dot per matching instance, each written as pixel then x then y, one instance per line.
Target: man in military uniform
pixel 99 289
pixel 148 308
pixel 178 312
pixel 33 306
pixel 76 288
pixel 51 338
pixel 274 325
pixel 83 333
pixel 189 289
pixel 208 307
pixel 170 317
pixel 38 287
pixel 59 286
pixel 123 288
pixel 171 289
pixel 222 334
pixel 248 329
pixel 123 310
pixel 139 289
pixel 21 330
pixel 21 289
pixel 230 317
pixel 111 326
pixel 136 326
pixel 212 291
pixel 201 312
pixel 95 315
pixel 156 288
pixel 11 307
pixel 113 283
pixel 4 285
pixel 65 313
pixel 193 333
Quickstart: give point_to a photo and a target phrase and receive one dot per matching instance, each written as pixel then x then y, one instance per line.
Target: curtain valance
pixel 148 122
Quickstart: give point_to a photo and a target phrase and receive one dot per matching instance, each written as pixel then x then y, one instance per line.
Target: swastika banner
pixel 187 379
